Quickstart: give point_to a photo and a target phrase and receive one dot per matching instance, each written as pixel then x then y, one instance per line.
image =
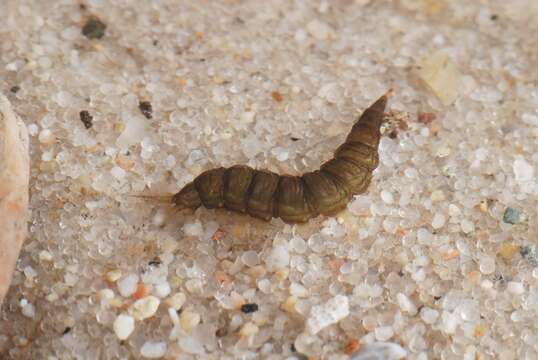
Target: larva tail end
pixel 389 93
pixel 381 103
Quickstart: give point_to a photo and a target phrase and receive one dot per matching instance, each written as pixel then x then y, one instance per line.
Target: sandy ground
pixel 438 260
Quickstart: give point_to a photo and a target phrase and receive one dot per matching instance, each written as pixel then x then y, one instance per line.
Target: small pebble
pixel 298 290
pixel 429 315
pixel 106 294
pixel 352 346
pixel 118 172
pixel 384 333
pixel 27 308
pixel 162 290
pixel 174 317
pixel 327 314
pixel 278 258
pixel 94 29
pixel 319 30
pixel 523 171
pixel 153 349
pixel 515 288
pixel 438 221
pixel 406 304
pixel 114 275
pixel 487 264
pixel 467 226
pixel 424 236
pixel 145 307
pixel 44 255
pixel 387 197
pixel 280 153
pixel 277 96
pixel 454 210
pixel 33 129
pixel 86 119
pixel 437 195
pixel 247 117
pixel 381 351
pixel 142 290
pixel 486 284
pixel 298 244
pixel 189 320
pixel 449 322
pixel 250 258
pixel 530 252
pixel 530 119
pixel 511 216
pixel 289 304
pixel 508 250
pixel 426 117
pixel 264 285
pixel 249 308
pixel 192 345
pixel 249 329
pixel 46 137
pixel 146 109
pixel 128 285
pixel 193 229
pixel 124 326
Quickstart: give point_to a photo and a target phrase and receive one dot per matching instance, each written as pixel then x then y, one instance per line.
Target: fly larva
pixel 294 199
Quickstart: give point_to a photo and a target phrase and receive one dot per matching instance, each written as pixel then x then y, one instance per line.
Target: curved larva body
pixel 264 194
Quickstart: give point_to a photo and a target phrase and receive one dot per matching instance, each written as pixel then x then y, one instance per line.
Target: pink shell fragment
pixel 14 179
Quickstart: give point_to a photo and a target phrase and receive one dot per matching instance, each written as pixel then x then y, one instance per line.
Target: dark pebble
pixel 249 308
pixel 146 109
pixel 94 29
pixel 511 216
pixel 15 89
pixel 155 262
pixel 530 253
pixel 86 119
pixel 221 332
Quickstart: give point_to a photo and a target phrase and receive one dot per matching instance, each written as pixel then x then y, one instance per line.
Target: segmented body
pixel 295 199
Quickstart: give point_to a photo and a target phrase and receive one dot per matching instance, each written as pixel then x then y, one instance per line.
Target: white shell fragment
pixel 442 76
pixel 381 351
pixel 124 326
pixel 327 314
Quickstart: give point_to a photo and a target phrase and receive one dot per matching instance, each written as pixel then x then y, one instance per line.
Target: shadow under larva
pixel 264 194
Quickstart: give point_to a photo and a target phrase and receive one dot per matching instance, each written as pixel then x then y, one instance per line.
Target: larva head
pixel 187 198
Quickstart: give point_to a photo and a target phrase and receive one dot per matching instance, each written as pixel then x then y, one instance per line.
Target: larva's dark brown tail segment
pixel 367 128
pixel 295 199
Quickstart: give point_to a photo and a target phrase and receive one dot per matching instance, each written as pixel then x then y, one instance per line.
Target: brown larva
pixel 265 194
